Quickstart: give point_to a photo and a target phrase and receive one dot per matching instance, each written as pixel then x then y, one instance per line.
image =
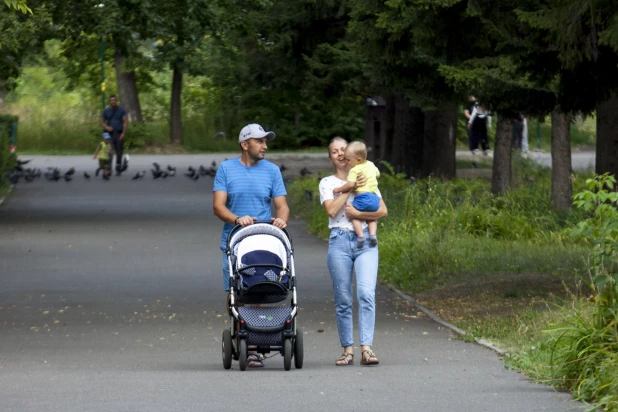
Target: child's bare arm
pixel 348 187
pixel 96 152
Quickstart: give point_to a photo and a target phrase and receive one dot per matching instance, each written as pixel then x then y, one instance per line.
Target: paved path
pixel 111 300
pixel 579 160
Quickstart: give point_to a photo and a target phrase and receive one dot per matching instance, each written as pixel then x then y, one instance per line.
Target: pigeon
pixel 23 162
pixel 156 173
pixel 156 166
pixel 170 168
pixel 164 174
pixel 305 172
pixel 52 174
pixel 14 176
pixel 67 178
pixel 213 164
pixel 204 171
pixel 137 176
pixel 282 168
pixel 191 172
pixel 172 172
pixel 70 172
pixel 195 177
pixel 125 163
pixel 86 175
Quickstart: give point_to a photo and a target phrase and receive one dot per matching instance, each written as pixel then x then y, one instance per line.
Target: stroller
pixel 261 262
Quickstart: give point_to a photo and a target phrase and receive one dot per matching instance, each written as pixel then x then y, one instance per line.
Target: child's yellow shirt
pixel 370 171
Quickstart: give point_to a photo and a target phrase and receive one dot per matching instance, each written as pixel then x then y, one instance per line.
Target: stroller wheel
pixel 226 349
pixel 298 349
pixel 287 354
pixel 242 354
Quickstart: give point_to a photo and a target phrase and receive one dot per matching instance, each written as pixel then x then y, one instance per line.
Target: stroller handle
pixel 238 227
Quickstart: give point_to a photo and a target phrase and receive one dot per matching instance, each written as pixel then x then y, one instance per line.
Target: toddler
pixel 366 198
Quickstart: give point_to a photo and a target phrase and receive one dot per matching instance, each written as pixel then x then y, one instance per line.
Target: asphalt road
pixel 111 300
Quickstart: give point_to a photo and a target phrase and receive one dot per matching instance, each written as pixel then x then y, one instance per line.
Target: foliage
pixel 7 159
pixel 19 5
pixel 585 352
pixel 439 230
pixel 22 33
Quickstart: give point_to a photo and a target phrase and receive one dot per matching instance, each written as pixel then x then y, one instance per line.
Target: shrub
pixel 585 354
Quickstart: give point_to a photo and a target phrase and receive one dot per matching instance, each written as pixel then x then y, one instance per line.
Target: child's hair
pixel 359 149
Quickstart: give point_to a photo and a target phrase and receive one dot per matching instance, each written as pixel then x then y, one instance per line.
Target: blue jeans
pixel 343 256
pixel 226 273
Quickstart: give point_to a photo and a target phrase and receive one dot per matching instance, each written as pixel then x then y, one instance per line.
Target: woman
pixel 479 124
pixel 344 256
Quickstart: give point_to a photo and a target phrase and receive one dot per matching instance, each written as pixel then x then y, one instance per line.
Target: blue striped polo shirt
pixel 250 189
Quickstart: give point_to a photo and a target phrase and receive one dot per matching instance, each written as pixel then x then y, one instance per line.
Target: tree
pixel 585 34
pixel 181 28
pixel 23 34
pixel 403 45
pixel 20 5
pixel 114 25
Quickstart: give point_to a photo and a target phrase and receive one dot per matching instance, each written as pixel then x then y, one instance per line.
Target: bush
pixel 585 354
pixel 7 160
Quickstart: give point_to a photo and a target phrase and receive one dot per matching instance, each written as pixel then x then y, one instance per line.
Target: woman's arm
pixel 352 213
pixel 333 206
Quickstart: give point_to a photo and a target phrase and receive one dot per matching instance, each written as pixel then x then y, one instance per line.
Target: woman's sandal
pixel 369 358
pixel 254 360
pixel 345 359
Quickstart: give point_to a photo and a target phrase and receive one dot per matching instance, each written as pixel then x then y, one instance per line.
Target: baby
pixel 366 198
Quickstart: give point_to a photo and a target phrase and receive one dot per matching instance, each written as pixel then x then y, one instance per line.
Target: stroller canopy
pixel 260 237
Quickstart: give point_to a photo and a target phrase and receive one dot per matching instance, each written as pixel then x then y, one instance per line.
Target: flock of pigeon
pixel 192 173
pixel 54 174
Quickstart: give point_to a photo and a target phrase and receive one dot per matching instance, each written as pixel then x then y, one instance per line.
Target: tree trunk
pixel 297 118
pixel 501 175
pixel 386 146
pixel 127 89
pixel 561 186
pixel 176 106
pixel 607 136
pixel 408 138
pixel 439 142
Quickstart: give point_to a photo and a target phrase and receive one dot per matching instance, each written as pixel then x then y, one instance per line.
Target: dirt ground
pixel 502 295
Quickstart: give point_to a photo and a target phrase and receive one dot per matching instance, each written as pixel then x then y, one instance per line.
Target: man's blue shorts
pixel 366 202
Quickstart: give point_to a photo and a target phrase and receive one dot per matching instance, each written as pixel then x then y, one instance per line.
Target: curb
pixel 8 191
pixel 447 325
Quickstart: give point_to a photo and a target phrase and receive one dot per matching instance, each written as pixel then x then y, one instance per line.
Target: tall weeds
pixel 585 351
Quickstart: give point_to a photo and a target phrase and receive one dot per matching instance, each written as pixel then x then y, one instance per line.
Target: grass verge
pixel 505 269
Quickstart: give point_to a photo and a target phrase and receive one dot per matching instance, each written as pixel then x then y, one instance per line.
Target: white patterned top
pixel 341 221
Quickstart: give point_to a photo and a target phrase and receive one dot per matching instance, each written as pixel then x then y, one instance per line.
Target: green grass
pixel 455 237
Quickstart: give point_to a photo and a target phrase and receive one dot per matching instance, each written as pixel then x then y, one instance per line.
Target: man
pixel 243 190
pixel 115 123
pixel 244 187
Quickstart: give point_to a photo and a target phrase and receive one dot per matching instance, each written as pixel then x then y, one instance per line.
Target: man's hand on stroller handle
pixel 248 220
pixel 245 220
pixel 278 222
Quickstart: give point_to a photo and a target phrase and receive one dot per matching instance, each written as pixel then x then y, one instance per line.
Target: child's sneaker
pixel 373 241
pixel 360 242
